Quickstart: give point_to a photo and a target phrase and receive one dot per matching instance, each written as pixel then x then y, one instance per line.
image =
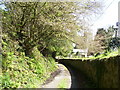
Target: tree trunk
pixel 28 52
pixel 54 54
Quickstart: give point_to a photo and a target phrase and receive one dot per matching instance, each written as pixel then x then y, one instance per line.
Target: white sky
pixel 109 17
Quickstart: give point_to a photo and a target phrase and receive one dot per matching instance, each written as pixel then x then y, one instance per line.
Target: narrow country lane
pixel 72 77
pixel 78 80
pixel 64 74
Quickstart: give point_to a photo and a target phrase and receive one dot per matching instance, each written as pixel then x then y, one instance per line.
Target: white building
pixel 81 51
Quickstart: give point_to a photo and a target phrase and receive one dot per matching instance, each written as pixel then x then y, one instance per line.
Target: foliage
pixel 114 43
pixel 45 23
pixel 103 41
pixel 106 54
pixel 24 72
pixel 33 32
pixel 63 83
pixel 30 26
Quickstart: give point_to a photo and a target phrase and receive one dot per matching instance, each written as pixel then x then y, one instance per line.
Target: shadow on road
pixel 78 80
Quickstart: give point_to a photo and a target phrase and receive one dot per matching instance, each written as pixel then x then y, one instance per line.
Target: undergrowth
pixel 63 83
pixel 101 56
pixel 19 71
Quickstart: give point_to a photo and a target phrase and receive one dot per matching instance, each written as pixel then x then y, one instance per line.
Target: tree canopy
pixel 51 26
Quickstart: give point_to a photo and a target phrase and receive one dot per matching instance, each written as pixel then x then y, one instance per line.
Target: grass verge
pixel 63 83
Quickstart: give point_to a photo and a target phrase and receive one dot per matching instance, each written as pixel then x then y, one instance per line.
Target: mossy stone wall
pixel 105 73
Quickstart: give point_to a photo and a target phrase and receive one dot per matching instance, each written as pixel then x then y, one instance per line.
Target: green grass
pixel 63 83
pixel 24 71
pixel 19 71
pixel 101 56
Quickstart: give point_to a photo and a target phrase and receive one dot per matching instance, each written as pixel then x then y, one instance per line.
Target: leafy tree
pixel 104 41
pixel 30 26
pixel 44 24
pixel 112 41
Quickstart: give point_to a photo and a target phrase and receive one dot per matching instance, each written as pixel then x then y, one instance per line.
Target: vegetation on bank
pixel 33 33
pixel 63 83
pixel 20 71
pixel 96 56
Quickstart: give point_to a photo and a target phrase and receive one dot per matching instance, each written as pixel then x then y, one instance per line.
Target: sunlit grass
pixel 63 83
pixel 101 56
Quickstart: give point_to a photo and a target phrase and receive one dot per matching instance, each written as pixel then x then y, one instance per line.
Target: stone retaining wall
pixel 105 73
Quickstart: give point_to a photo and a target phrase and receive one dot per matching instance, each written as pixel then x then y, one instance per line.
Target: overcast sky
pixel 109 16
